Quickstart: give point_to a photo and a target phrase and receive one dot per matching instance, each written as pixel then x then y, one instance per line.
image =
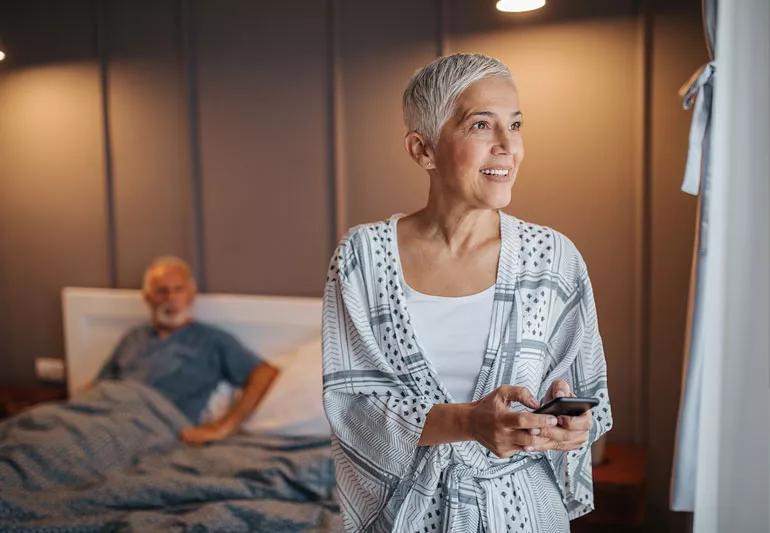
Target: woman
pixel 444 328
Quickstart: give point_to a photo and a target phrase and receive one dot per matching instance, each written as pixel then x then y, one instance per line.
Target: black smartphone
pixel 567 405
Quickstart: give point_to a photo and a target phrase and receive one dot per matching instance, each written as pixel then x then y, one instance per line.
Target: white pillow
pixel 221 399
pixel 293 405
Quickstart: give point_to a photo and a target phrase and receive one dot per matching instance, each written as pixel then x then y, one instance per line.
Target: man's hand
pixel 572 431
pixel 256 387
pixel 199 435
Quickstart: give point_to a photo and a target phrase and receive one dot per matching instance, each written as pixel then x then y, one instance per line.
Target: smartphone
pixel 567 405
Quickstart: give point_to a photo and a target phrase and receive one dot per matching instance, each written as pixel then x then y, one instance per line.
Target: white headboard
pixel 96 319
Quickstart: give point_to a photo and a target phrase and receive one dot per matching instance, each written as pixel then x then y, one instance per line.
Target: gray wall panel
pixel 678 49
pixel 263 88
pixel 381 44
pixel 149 135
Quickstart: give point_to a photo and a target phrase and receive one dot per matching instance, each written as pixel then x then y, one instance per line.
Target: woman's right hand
pixel 503 431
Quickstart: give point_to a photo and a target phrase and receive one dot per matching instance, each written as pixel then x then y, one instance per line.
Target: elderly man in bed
pixel 185 360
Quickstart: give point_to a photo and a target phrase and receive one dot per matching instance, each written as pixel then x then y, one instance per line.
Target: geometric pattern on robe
pixel 379 388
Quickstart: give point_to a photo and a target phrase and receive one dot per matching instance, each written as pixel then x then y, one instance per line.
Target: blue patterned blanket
pixel 111 460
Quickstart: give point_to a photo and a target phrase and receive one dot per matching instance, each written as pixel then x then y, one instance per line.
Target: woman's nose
pixel 503 144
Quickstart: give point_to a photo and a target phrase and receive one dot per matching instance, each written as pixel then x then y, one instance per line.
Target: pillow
pixel 293 405
pixel 221 399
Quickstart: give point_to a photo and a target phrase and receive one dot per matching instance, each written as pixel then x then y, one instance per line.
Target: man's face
pixel 170 294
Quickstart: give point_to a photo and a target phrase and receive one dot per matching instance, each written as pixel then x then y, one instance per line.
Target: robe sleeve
pixel 376 410
pixel 575 349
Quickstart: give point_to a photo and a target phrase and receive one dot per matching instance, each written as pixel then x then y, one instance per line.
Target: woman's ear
pixel 419 150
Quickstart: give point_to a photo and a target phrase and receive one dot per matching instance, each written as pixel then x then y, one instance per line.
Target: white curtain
pixel 731 327
pixel 697 94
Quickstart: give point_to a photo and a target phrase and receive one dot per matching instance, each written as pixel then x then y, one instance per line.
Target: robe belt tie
pixel 698 90
pixel 491 510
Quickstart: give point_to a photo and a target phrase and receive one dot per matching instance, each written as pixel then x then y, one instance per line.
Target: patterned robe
pixel 379 387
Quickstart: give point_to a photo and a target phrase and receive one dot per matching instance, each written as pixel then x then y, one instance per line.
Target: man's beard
pixel 165 317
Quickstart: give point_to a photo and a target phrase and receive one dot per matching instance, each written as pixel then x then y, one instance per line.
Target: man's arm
pixel 257 385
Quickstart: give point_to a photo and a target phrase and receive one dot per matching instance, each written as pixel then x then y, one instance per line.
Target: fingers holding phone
pixel 570 434
pixel 562 423
pixel 558 389
pixel 574 417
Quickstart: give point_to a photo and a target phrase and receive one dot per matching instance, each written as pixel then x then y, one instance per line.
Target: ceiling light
pixel 518 6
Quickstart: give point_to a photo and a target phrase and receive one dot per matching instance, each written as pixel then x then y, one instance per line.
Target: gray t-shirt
pixel 185 367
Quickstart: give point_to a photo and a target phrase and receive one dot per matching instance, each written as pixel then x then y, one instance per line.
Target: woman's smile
pixel 497 174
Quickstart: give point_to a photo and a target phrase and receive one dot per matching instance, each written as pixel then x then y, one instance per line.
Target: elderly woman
pixel 444 328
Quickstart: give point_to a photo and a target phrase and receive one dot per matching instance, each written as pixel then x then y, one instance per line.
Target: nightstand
pixel 619 492
pixel 15 398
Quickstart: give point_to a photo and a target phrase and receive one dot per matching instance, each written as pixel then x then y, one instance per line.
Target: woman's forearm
pixel 446 422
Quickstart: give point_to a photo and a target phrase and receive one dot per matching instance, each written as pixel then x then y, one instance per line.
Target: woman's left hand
pixel 572 431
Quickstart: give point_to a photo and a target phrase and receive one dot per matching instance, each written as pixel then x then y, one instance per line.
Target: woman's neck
pixel 457 226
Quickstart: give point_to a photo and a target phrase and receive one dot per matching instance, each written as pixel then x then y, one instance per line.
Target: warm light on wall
pixel 2 50
pixel 518 6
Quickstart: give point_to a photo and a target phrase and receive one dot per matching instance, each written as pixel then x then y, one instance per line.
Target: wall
pixel 677 49
pixel 53 229
pixel 246 137
pixel 148 123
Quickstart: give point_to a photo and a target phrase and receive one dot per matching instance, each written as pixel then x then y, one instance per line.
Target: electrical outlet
pixel 49 369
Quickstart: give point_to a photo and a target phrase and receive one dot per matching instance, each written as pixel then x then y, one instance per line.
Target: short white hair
pixel 167 261
pixel 430 96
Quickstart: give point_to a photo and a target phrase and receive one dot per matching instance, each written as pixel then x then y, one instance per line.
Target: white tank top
pixel 452 331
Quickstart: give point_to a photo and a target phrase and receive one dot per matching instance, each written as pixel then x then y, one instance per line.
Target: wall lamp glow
pixel 2 50
pixel 519 6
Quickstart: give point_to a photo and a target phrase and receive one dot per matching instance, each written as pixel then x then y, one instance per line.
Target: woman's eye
pixel 516 126
pixel 480 125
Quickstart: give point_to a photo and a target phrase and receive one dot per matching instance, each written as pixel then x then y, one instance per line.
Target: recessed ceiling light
pixel 519 6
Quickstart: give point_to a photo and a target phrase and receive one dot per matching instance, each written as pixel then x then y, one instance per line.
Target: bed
pixel 110 458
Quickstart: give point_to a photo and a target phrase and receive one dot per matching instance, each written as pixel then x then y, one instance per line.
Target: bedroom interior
pixel 247 137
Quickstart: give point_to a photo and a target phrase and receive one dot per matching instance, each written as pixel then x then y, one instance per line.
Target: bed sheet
pixel 111 460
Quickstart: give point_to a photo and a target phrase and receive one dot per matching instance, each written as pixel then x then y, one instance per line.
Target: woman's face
pixel 480 147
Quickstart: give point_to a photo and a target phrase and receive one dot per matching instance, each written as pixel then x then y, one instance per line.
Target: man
pixel 185 359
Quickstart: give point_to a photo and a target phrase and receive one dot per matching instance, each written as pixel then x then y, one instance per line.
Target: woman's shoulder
pixel 364 242
pixel 543 249
pixel 368 232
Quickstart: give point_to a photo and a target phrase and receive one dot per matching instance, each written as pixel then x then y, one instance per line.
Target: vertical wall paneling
pixel 109 181
pixel 645 196
pixel 196 194
pixel 334 177
pixel 441 35
pixel 263 108
pixel 677 50
pixel 149 135
pixel 53 229
pixel 381 45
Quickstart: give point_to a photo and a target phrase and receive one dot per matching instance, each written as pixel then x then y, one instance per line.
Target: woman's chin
pixel 496 194
pixel 498 201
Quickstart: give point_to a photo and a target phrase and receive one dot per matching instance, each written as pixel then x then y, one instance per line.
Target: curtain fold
pixel 697 93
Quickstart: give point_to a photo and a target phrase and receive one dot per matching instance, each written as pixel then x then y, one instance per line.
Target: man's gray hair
pixel 167 261
pixel 430 97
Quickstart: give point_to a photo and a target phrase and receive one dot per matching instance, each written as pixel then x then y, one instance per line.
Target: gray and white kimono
pixel 379 386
